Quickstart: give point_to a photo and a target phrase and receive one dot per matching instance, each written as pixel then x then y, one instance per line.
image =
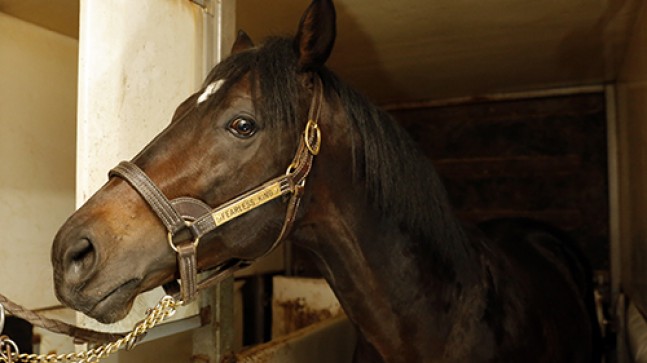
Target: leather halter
pixel 187 219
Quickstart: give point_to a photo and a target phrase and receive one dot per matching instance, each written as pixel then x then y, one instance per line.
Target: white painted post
pixel 137 61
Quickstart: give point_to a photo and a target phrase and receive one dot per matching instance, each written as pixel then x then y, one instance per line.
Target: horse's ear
pixel 242 43
pixel 316 34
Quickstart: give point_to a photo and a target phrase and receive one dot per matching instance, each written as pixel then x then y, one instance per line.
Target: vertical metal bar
pixel 227 27
pixel 209 32
pixel 615 243
pixel 214 340
pixel 614 192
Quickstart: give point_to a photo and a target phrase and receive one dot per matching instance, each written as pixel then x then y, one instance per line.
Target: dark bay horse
pixel 357 193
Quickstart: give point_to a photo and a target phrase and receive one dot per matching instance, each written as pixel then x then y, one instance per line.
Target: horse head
pixel 243 128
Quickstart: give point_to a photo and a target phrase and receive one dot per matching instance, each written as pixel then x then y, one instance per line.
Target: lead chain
pixel 164 309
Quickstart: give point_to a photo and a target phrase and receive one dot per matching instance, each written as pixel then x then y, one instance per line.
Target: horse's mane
pixel 399 179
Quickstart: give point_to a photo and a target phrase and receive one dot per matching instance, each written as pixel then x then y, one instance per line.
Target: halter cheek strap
pixel 187 220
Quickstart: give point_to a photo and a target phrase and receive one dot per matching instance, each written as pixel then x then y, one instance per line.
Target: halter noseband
pixel 187 219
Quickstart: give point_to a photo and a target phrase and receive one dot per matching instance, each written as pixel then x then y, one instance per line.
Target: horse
pixel 275 145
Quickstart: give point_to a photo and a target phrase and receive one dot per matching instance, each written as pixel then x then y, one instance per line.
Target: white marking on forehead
pixel 210 90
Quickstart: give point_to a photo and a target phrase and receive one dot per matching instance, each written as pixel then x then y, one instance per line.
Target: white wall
pixel 38 74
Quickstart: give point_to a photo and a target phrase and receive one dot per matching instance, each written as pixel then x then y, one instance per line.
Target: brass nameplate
pixel 246 204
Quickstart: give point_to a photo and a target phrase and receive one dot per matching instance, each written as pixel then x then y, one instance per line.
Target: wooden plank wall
pixel 543 158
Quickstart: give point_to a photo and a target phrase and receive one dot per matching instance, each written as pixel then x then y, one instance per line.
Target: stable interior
pixel 574 73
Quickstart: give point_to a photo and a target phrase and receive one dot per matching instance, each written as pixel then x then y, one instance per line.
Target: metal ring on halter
pixel 7 351
pixel 1 318
pixel 311 127
pixel 169 237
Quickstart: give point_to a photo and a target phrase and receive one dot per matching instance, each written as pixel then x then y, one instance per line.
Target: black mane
pixel 399 179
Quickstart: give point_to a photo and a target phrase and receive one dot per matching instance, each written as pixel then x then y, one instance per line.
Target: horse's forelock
pixel 272 72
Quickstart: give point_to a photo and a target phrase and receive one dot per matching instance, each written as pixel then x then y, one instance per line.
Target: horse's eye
pixel 242 127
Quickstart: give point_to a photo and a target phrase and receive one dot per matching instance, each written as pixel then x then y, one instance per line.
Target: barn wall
pixel 632 149
pixel 541 158
pixel 38 69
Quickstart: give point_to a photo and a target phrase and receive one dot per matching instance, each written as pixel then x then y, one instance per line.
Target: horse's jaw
pixel 108 308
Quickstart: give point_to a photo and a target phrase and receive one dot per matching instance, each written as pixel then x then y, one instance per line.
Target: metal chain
pixel 164 309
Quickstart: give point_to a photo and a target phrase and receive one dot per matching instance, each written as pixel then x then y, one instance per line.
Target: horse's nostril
pixel 80 258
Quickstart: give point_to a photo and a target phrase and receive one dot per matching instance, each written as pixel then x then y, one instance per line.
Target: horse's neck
pixel 392 291
pixel 392 286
